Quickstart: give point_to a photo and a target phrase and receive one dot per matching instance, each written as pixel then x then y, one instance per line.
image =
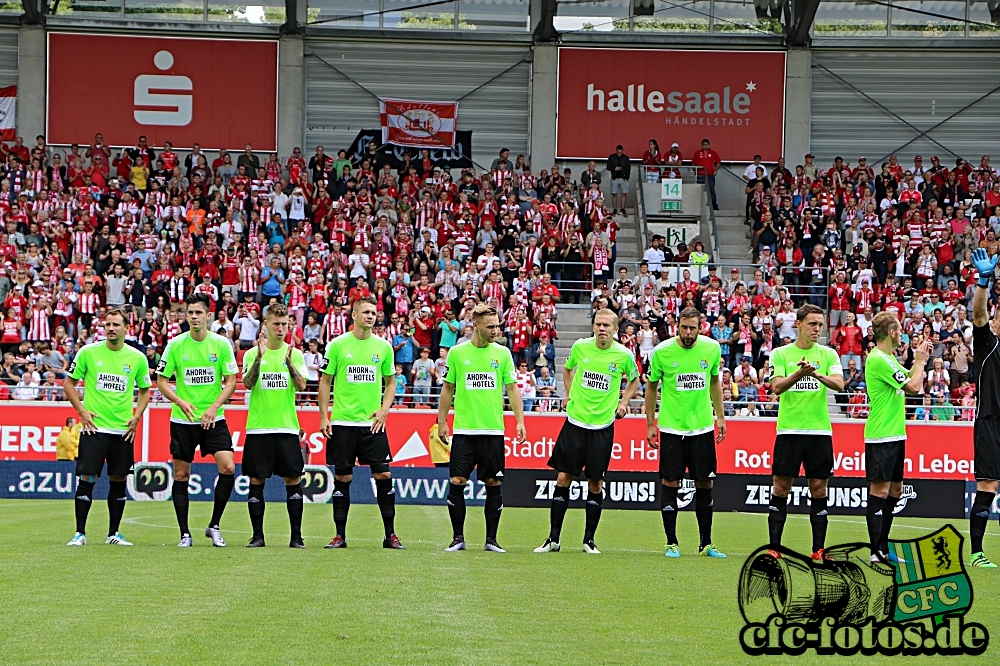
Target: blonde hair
pixel 607 312
pixel 483 310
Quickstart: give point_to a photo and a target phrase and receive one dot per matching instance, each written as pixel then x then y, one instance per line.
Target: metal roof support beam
pixel 803 13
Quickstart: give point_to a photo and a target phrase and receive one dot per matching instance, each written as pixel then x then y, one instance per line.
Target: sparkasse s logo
pixel 162 90
pixel 682 96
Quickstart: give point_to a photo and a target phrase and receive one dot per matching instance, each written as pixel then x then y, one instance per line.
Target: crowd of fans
pixel 858 243
pixel 138 227
pixel 94 227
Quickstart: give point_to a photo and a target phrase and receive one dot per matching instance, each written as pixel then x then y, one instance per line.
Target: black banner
pixel 459 157
pixel 922 498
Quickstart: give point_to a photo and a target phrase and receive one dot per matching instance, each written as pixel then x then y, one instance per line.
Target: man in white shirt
pixel 751 171
pixel 654 255
pixel 359 262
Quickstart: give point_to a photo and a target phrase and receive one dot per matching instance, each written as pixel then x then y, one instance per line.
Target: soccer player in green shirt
pixel 887 383
pixel 274 371
pixel 360 368
pixel 110 372
pixel 690 407
pixel 204 368
pixel 478 371
pixel 594 372
pixel 803 371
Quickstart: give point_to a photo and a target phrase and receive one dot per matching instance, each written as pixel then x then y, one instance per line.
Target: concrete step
pixel 728 212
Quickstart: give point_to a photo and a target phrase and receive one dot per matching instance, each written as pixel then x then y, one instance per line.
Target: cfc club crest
pixel 375 358
pixel 495 364
pixel 213 358
pixel 704 364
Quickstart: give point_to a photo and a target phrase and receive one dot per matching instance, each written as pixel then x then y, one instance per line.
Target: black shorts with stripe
pixel 483 453
pixel 578 449
pixel 99 447
pixel 185 438
pixel 692 453
pixel 267 454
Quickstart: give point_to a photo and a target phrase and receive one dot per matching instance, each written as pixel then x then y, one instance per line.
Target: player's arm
pixel 652 392
pixel 167 390
pixel 985 265
pixel 86 418
pixel 630 390
pixel 323 400
pixel 782 384
pixel 296 368
pixel 228 388
pixel 444 406
pixel 920 356
pixel 715 392
pixel 568 374
pixel 834 382
pixel 517 406
pixel 141 405
pixel 388 395
pixel 251 374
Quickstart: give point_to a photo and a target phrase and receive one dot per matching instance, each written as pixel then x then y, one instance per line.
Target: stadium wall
pixel 938 469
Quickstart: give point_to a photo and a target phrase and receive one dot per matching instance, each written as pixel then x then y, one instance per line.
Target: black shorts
pixel 358 444
pixel 884 460
pixel 814 452
pixel 694 453
pixel 272 453
pixel 186 437
pixel 484 453
pixel 986 435
pixel 579 448
pixel 100 447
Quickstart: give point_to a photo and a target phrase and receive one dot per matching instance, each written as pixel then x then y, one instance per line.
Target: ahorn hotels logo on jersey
pixel 629 96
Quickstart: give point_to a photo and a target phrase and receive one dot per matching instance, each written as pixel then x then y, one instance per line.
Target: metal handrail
pixel 688 173
pixel 584 286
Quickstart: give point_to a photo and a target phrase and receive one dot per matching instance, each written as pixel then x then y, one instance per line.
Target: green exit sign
pixel 671 205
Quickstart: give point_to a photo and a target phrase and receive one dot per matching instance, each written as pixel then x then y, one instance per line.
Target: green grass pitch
pixel 157 604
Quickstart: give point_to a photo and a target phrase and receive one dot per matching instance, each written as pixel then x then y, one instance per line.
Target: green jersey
pixel 109 382
pixel 803 409
pixel 884 381
pixel 596 389
pixel 272 398
pixel 479 375
pixel 358 368
pixel 686 376
pixel 199 369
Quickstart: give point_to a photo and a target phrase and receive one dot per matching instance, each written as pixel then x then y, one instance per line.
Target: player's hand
pixel 378 420
pixel 522 433
pixel 721 432
pixel 984 263
pixel 288 357
pixel 653 436
pixel 130 430
pixel 565 403
pixel 208 418
pixel 443 433
pixel 87 422
pixel 923 352
pixel 187 408
pixel 806 368
pixel 621 412
pixel 325 426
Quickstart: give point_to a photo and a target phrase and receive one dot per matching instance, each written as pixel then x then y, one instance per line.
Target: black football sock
pixel 979 517
pixel 777 512
pixel 116 505
pixel 293 501
pixel 223 491
pixel 341 505
pixel 818 520
pixel 883 537
pixel 179 493
pixel 385 495
pixel 84 499
pixel 703 508
pixel 668 510
pixel 494 506
pixel 456 508
pixel 873 517
pixel 593 515
pixel 560 503
pixel 255 504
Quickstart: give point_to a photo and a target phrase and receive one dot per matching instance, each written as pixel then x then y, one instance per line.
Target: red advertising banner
pixel 933 451
pixel 419 124
pixel 173 89
pixel 736 99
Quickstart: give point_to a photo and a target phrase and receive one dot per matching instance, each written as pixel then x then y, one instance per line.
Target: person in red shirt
pixel 709 161
pixel 423 327
pixel 545 287
pixel 847 338
pixel 840 300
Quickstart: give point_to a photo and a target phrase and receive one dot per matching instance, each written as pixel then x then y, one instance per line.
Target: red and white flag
pixel 8 113
pixel 419 124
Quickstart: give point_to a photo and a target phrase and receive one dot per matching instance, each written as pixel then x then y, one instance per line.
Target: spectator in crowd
pixel 620 169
